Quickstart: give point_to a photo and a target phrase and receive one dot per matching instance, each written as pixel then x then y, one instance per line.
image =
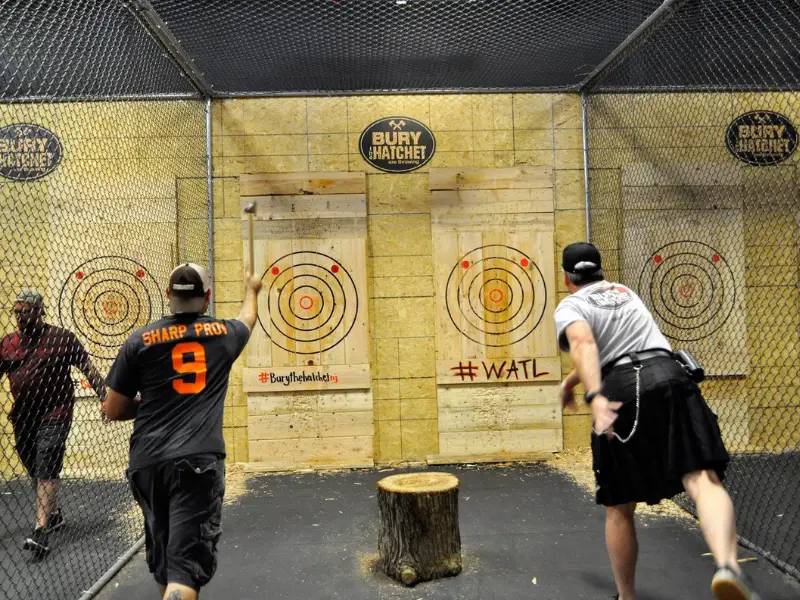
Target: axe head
pixel 250 209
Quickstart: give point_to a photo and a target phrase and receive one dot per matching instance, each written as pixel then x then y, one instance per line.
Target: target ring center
pixel 306 302
pixel 496 295
pixel 111 307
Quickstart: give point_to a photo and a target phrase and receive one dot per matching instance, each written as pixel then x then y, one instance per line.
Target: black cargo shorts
pixel 41 446
pixel 181 500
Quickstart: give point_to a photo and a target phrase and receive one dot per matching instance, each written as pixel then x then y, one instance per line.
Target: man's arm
pixel 94 378
pixel 586 358
pixel 119 407
pixel 249 313
pixel 584 354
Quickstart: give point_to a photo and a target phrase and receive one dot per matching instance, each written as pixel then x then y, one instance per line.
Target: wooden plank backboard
pixel 686 261
pixel 494 266
pixel 311 345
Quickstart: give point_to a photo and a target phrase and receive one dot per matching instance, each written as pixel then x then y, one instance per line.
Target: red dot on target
pixel 657 259
pixel 465 264
pixel 524 262
pixel 79 275
pixel 715 258
pixel 275 270
pixel 140 273
pixel 335 269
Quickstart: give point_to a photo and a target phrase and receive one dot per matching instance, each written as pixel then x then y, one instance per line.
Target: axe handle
pixel 252 250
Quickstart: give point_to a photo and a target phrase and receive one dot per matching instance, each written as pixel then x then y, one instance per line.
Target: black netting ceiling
pixel 715 45
pixel 100 48
pixel 274 46
pixel 81 49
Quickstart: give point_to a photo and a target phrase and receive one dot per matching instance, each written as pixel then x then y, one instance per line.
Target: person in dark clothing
pixel 38 359
pixel 179 367
pixel 653 433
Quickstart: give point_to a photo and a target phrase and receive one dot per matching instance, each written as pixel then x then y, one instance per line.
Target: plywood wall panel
pixel 493 236
pixel 313 338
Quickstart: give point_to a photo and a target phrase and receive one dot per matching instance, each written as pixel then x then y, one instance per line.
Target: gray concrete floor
pixel 310 536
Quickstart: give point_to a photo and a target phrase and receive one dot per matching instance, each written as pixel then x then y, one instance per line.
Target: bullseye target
pixel 496 295
pixel 313 302
pixel 107 298
pixel 690 288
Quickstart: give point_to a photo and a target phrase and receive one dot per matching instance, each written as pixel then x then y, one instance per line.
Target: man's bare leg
pixel 45 500
pixel 623 547
pixel 176 591
pixel 716 515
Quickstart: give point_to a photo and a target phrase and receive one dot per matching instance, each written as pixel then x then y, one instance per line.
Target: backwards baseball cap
pixel 30 297
pixel 188 284
pixel 581 257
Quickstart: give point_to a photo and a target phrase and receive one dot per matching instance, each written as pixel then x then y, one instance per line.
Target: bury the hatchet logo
pixel 396 144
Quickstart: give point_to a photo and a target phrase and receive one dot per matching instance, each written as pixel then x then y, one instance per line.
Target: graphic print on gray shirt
pixel 619 320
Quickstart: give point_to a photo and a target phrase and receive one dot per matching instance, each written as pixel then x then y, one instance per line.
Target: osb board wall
pixel 321 134
pixel 114 194
pixel 309 236
pixel 497 357
pixel 672 147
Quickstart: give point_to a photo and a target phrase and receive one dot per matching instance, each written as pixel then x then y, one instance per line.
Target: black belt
pixel 634 357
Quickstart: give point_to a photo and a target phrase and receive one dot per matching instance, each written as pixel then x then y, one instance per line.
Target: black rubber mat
pixel 527 532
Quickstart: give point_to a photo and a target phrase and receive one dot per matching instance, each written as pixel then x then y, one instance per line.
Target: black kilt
pixel 677 433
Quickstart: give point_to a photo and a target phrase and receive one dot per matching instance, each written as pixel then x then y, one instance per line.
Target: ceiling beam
pixel 665 11
pixel 155 25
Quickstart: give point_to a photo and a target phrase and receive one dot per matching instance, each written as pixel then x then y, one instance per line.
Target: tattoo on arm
pixel 174 595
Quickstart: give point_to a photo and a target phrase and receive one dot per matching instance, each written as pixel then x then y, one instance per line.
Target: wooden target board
pixel 495 295
pixel 311 343
pixel 688 266
pixel 104 296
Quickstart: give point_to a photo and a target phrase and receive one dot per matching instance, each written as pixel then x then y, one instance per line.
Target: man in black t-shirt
pixel 179 366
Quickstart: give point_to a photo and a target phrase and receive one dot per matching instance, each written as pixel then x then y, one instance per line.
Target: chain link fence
pixel 692 133
pixel 102 189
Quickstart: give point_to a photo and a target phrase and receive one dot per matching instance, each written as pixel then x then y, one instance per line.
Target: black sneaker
pixel 729 585
pixel 55 522
pixel 38 543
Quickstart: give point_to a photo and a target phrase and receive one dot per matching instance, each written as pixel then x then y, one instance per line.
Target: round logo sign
pixel 397 144
pixel 761 138
pixel 28 152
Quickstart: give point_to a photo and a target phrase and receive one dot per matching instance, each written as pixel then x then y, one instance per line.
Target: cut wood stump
pixel 419 538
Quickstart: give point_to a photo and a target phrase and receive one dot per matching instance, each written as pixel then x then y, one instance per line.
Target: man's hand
pixel 567 396
pixel 567 393
pixel 604 413
pixel 253 282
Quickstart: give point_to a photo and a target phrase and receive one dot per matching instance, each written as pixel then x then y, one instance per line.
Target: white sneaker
pixel 728 585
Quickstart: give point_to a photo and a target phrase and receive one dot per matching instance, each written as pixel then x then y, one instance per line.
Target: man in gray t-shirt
pixel 654 435
pixel 618 318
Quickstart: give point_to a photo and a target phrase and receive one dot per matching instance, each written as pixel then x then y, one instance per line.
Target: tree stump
pixel 419 538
